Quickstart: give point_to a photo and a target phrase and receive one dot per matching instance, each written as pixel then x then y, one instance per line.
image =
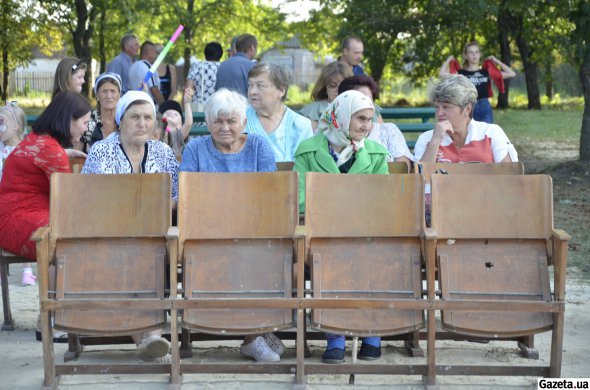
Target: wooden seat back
pixel 109 234
pixel 398 167
pixel 428 169
pixel 76 164
pixel 285 165
pixel 237 240
pixel 364 242
pixel 492 244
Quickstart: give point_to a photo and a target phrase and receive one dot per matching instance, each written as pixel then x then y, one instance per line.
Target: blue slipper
pixel 333 356
pixel 369 352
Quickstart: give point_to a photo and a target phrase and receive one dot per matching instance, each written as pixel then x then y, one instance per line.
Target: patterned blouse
pixel 4 152
pixel 94 132
pixel 204 72
pixel 108 156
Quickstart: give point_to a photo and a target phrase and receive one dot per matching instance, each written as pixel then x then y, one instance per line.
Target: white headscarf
pixel 130 97
pixel 107 75
pixel 335 122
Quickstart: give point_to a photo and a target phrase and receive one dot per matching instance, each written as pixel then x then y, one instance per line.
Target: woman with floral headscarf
pixel 341 147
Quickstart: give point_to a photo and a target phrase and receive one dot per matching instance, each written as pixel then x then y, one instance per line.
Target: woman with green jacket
pixel 341 147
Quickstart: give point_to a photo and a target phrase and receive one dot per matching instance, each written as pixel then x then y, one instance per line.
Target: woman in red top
pixel 24 190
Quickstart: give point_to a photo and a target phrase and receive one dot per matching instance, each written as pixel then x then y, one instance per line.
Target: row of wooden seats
pixel 426 169
pixel 238 244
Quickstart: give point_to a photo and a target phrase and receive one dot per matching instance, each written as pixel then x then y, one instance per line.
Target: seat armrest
pixel 40 234
pixel 560 235
pixel 430 234
pixel 172 233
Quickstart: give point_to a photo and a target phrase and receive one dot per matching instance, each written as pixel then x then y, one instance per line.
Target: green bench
pixel 424 114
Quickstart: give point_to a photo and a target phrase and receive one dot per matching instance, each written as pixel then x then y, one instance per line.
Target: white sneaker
pixel 154 347
pixel 275 343
pixel 259 351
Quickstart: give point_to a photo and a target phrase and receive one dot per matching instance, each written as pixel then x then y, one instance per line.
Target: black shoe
pixel 369 352
pixel 58 337
pixel 333 356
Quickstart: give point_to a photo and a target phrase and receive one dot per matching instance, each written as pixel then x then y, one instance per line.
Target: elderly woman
pixel 386 134
pixel 341 147
pixel 69 76
pixel 131 150
pixel 24 190
pixel 456 136
pixel 107 89
pixel 325 90
pixel 229 149
pixel 267 114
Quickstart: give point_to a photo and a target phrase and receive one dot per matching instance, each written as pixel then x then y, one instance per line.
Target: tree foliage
pixel 22 32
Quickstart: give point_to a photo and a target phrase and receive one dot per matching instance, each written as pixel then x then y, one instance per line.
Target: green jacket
pixel 313 155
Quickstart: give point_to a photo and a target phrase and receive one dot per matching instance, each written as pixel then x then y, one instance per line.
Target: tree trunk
pixel 5 73
pixel 101 54
pixel 585 132
pixel 549 79
pixel 530 69
pixel 188 35
pixel 504 21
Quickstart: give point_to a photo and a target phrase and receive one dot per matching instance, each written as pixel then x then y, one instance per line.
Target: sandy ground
pixel 21 361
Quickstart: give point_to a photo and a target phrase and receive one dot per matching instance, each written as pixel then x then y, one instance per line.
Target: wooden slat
pixel 225 206
pixel 363 205
pixel 498 206
pixel 110 205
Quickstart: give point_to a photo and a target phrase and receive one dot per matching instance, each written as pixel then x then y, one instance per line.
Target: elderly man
pixel 139 69
pixel 352 54
pixel 121 63
pixel 233 72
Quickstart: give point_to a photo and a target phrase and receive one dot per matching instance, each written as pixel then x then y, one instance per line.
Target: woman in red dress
pixel 24 190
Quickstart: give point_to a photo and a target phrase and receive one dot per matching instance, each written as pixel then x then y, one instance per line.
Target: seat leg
pixel 74 348
pixel 527 347
pixel 300 347
pixel 186 348
pixel 412 345
pixel 8 323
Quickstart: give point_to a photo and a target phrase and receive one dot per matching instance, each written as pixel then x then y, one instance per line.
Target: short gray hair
pixel 455 89
pixel 225 102
pixel 278 76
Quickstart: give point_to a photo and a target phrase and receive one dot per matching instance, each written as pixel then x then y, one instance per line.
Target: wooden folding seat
pixel 364 243
pixel 398 167
pixel 492 233
pixel 237 241
pixel 106 248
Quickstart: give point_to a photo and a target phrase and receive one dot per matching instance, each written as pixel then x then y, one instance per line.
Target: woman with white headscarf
pixel 131 149
pixel 341 147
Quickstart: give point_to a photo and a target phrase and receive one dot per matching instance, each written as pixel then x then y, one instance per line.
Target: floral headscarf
pixel 335 122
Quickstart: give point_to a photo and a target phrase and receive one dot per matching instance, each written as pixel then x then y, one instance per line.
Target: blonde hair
pixel 333 69
pixel 455 89
pixel 16 113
